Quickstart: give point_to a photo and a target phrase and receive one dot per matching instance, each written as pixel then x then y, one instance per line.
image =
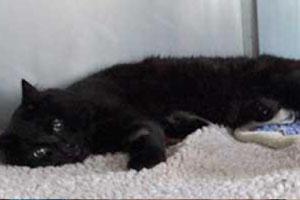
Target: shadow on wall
pixel 279 28
pixel 7 107
pixel 53 42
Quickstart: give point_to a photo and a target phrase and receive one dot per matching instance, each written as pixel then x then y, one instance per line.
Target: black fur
pixel 128 107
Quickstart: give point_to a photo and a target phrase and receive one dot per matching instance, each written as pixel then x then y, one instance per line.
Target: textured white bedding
pixel 208 164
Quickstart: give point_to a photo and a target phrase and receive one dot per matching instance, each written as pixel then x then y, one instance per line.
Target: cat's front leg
pixel 145 145
pixel 179 124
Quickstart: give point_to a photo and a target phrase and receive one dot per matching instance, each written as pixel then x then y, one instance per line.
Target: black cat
pixel 134 107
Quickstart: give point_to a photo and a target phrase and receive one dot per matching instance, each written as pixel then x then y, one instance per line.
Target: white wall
pixel 51 42
pixel 279 27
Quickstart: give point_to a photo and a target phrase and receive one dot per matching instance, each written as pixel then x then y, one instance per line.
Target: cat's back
pixel 156 74
pixel 157 68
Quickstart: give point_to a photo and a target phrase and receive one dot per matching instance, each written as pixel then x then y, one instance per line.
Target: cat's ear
pixel 29 93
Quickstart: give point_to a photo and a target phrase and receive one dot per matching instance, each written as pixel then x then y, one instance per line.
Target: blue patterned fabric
pixel 285 129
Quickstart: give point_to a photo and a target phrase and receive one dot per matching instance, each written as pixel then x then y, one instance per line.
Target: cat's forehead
pixel 50 105
pixel 56 100
pixel 56 95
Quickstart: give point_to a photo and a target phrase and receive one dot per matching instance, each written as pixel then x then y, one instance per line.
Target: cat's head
pixel 49 128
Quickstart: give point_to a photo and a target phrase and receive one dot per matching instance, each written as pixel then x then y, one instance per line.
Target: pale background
pixel 279 27
pixel 53 42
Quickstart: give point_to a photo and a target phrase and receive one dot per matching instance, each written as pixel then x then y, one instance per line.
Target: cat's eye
pixel 57 125
pixel 41 152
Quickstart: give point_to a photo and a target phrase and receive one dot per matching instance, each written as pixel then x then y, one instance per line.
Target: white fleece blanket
pixel 208 164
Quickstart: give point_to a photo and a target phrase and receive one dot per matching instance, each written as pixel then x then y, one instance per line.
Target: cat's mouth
pixel 73 153
pixel 71 150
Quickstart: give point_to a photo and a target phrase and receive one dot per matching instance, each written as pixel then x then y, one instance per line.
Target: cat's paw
pixel 147 158
pixel 180 124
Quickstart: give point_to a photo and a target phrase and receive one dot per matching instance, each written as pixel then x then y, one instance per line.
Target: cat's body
pixel 127 107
